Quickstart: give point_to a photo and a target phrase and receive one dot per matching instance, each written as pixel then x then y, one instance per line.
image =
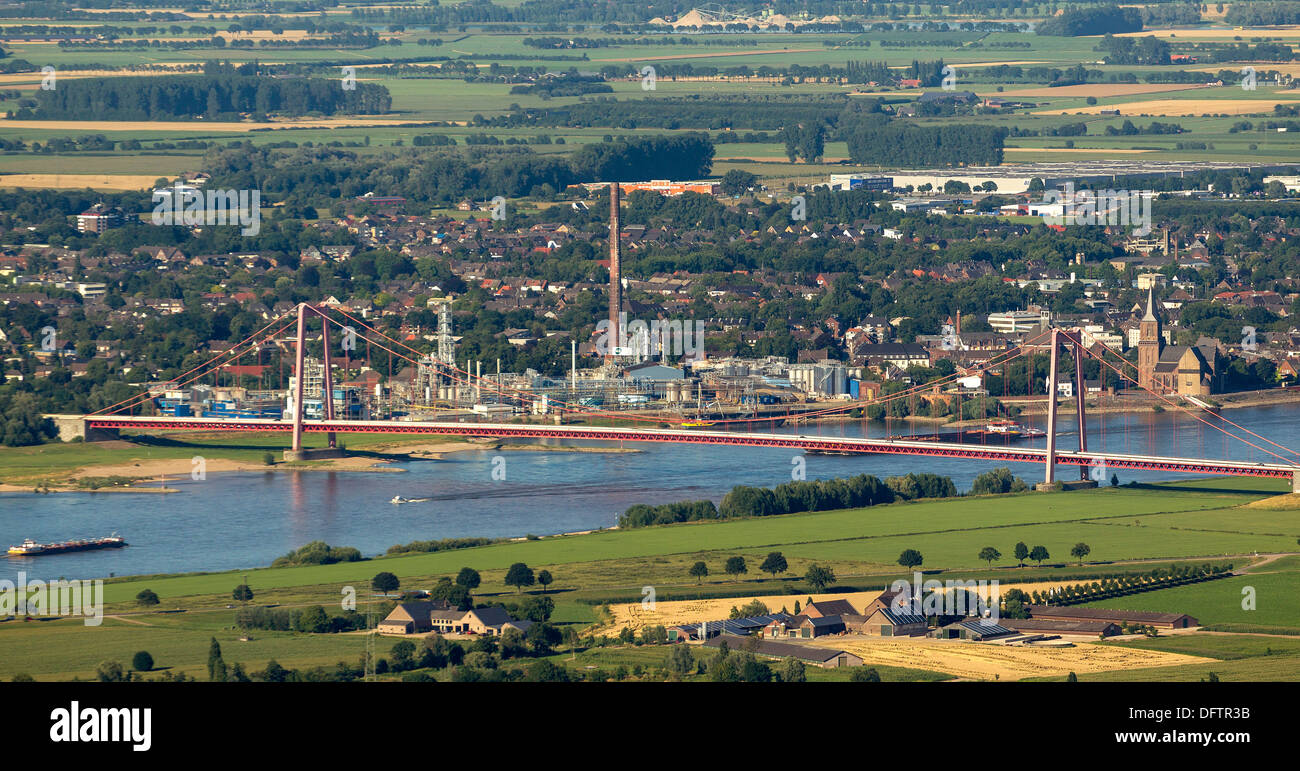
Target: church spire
pixel 1151 304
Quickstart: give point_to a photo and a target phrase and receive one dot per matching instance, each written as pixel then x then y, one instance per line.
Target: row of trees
pixel 775 563
pixel 1119 586
pixel 800 496
pixel 1039 554
pixel 181 97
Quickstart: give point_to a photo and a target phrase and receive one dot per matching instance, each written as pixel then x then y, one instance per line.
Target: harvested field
pixel 79 181
pixel 1179 107
pixel 34 78
pixel 992 64
pixel 1287 30
pixel 1286 69
pixel 694 611
pixel 1288 502
pixel 1099 90
pixel 990 661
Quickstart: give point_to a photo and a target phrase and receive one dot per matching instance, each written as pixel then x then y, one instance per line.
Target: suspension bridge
pixel 1284 463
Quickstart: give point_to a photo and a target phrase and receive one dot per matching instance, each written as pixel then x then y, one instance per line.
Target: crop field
pixel 79 181
pixel 452 103
pixel 991 661
pixel 1181 107
pixel 650 657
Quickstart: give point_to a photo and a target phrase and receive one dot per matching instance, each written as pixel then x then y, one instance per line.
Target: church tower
pixel 1150 341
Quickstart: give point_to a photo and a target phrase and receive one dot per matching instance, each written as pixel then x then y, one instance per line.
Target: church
pixel 1171 369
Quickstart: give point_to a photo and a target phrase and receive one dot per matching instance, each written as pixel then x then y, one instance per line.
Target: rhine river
pixel 246 519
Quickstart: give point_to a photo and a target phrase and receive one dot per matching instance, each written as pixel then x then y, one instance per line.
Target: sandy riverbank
pixel 151 475
pixel 7 488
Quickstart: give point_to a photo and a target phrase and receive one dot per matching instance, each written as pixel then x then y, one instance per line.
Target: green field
pixel 1277 604
pixel 611 566
pixel 422 98
pixel 868 539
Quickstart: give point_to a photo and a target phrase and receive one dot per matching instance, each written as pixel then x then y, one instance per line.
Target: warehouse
pixel 1147 618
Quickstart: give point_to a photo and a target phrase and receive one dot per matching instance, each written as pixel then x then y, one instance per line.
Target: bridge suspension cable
pixel 500 389
pixel 205 367
pixel 1193 414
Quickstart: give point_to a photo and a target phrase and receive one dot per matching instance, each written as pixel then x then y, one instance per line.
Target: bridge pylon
pixel 1059 339
pixel 298 452
pixel 1049 475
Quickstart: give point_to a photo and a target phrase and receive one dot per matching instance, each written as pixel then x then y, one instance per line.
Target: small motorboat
pixel 399 499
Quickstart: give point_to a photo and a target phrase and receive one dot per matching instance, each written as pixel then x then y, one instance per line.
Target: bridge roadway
pixel 735 438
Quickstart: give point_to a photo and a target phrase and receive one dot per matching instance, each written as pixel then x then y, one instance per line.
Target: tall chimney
pixel 615 270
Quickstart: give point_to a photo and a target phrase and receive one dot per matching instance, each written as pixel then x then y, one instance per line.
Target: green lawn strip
pixel 797 533
pixel 686 589
pixel 961 549
pixel 1238 520
pixel 65 648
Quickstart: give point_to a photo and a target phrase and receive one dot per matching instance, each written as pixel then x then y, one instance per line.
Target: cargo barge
pixel 30 548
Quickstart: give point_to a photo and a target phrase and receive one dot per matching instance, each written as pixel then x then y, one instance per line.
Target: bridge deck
pixel 691 436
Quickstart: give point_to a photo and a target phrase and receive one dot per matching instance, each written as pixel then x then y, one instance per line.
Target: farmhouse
pixel 413 617
pixel 804 627
pixel 439 616
pixel 827 608
pixel 826 658
pixel 1149 618
pixel 886 622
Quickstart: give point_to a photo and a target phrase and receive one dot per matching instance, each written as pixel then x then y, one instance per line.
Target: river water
pixel 246 519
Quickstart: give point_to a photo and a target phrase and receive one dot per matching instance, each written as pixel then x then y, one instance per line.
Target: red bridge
pixel 1057 341
pixel 741 439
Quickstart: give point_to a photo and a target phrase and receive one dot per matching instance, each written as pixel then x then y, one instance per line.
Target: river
pixel 246 519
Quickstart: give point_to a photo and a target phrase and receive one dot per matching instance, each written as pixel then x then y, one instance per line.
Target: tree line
pixel 794 497
pixel 177 97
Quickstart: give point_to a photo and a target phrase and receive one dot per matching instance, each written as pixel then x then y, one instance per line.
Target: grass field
pixel 868 539
pixel 1273 590
pixel 600 568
